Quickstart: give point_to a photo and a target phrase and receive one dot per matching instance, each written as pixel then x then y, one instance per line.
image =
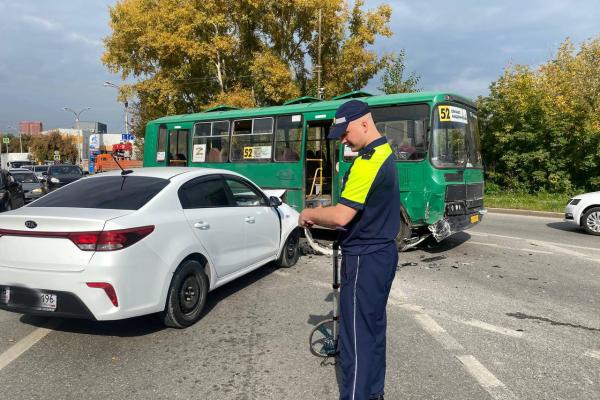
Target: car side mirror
pixel 275 201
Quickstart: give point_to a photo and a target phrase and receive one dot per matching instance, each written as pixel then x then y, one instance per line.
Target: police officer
pixel 368 212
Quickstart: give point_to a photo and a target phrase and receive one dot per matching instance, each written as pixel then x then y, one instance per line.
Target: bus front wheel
pixel 405 234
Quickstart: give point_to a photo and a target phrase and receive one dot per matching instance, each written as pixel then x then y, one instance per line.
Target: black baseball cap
pixel 348 112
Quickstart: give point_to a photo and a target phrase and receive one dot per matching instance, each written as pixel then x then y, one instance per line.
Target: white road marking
pixel 16 350
pixel 510 248
pixel 569 252
pixel 537 241
pixel 485 378
pixel 437 332
pixel 593 354
pixel 493 328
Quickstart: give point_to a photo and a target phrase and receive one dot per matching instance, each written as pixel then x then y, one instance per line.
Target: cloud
pixel 35 21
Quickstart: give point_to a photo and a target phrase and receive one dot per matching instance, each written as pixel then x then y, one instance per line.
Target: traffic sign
pixel 56 152
pixel 6 140
pixel 126 136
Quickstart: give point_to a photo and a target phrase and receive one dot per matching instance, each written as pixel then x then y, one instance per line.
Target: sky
pixel 50 50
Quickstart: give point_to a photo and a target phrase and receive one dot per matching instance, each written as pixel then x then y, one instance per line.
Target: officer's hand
pixel 304 221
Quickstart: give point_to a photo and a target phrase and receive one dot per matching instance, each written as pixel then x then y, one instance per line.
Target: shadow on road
pixel 433 247
pixel 147 324
pixel 565 227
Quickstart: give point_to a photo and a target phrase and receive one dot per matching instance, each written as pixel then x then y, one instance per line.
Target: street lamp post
pixel 110 84
pixel 77 114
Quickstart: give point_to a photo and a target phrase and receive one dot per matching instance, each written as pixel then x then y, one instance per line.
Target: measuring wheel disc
pixel 321 341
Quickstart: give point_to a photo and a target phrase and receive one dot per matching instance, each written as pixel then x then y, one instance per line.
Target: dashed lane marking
pixel 536 242
pixel 593 354
pixel 485 378
pixel 429 325
pixel 26 343
pixel 510 248
pixel 568 252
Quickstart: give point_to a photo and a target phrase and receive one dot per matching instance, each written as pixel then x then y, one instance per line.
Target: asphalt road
pixel 507 310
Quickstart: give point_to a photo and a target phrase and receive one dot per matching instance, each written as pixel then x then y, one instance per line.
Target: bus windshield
pixel 455 139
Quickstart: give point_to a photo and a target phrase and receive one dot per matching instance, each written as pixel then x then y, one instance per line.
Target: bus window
pixel 405 129
pixel 288 138
pixel 211 142
pixel 161 144
pixel 252 140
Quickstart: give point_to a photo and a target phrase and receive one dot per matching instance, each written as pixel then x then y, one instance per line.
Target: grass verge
pixel 552 202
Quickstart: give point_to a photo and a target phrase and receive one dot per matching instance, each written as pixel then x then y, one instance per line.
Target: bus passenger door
pixel 319 164
pixel 178 148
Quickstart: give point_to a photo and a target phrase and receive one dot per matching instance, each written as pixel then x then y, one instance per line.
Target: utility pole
pixel 319 67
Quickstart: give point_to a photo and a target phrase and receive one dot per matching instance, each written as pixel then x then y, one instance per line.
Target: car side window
pixel 244 195
pixel 204 193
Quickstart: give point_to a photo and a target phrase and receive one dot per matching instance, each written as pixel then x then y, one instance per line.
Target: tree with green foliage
pixel 42 147
pixel 393 80
pixel 187 55
pixel 540 128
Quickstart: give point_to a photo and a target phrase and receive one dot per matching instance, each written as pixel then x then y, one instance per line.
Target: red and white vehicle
pixel 116 245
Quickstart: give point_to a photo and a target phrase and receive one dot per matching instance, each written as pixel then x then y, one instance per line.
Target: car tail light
pixel 110 240
pixel 108 289
pixel 92 241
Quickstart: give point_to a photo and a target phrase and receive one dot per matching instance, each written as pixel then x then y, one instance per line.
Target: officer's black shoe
pixel 380 397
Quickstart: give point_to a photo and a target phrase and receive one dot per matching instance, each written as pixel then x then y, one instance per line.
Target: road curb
pixel 531 213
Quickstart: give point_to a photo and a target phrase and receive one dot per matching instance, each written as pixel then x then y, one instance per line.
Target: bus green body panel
pixel 424 182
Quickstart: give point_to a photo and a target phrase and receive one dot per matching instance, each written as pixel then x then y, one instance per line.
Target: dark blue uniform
pixel 369 263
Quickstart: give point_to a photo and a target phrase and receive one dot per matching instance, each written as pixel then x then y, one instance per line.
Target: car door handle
pixel 249 220
pixel 202 225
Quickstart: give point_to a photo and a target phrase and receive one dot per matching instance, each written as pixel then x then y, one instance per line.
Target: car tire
pixel 291 251
pixel 591 221
pixel 187 295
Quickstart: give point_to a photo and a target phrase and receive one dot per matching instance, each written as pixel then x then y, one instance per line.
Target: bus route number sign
pixel 248 152
pixel 453 114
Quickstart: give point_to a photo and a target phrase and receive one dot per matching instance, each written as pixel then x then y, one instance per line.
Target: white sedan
pixel 584 210
pixel 116 246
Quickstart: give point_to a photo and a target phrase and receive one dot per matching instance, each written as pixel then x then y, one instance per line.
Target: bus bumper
pixel 455 223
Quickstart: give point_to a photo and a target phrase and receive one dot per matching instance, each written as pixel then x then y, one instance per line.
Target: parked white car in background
pixel 584 210
pixel 115 246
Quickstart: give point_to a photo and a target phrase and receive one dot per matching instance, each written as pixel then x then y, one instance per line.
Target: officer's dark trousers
pixel 366 283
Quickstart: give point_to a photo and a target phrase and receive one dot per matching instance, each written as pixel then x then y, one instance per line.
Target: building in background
pixel 30 127
pixel 93 126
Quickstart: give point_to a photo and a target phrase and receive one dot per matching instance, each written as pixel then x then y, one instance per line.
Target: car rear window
pixel 64 170
pixel 107 192
pixel 25 177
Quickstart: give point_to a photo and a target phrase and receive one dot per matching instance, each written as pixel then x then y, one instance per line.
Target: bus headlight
pixel 37 191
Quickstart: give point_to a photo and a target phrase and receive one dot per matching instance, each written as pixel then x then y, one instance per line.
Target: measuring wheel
pixel 323 339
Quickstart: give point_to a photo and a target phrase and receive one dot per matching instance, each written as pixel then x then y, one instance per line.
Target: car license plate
pixel 48 302
pixel 4 295
pixel 474 218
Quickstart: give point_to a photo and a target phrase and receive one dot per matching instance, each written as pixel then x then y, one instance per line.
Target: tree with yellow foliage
pixel 187 55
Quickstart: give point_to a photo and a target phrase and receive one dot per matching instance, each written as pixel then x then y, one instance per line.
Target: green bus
pixel 434 136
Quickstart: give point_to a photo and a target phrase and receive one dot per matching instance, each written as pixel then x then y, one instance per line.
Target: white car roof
pixel 167 172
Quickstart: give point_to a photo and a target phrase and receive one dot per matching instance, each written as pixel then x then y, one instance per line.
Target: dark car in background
pixel 11 192
pixel 60 175
pixel 33 188
pixel 39 171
